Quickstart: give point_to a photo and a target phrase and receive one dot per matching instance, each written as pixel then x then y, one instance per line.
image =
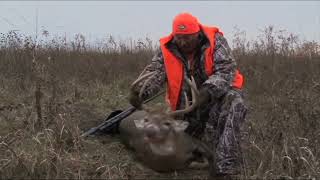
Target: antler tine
pixel 144 70
pixel 186 99
pixel 148 75
pixel 145 84
pixel 193 85
pixel 142 77
pixel 194 93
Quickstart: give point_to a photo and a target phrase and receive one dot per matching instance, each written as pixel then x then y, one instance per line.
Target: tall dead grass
pixel 52 90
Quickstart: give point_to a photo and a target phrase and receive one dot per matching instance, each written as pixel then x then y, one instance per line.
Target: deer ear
pixel 180 125
pixel 139 123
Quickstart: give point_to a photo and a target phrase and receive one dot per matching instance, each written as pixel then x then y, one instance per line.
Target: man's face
pixel 187 43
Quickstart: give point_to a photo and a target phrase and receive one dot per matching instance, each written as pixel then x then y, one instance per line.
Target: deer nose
pixel 151 130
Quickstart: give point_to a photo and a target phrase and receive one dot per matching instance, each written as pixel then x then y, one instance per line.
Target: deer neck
pixel 165 147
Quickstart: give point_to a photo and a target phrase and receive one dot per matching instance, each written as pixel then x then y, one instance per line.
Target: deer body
pixel 159 143
pixel 157 138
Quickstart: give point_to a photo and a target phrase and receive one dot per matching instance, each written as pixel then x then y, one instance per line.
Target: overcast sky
pixel 138 19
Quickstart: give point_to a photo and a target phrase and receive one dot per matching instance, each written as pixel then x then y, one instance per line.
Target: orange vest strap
pixel 174 71
pixel 209 58
pixel 238 80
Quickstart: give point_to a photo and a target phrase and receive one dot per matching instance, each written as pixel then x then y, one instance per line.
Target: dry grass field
pixel 51 91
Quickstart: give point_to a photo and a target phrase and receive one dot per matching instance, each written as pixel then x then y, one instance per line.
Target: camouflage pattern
pixel 218 122
pixel 222 130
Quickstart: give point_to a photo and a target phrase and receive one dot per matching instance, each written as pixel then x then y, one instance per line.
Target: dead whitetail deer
pixel 159 140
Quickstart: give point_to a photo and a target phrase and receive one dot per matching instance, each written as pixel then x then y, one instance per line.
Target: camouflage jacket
pixel 218 83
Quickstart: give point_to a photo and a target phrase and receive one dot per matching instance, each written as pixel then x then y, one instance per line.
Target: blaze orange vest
pixel 174 66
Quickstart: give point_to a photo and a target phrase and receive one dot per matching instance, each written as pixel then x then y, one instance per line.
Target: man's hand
pixel 135 100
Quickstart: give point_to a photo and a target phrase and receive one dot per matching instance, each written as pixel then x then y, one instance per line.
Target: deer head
pixel 158 125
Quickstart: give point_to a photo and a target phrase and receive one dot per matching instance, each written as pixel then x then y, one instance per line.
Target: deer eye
pixel 146 120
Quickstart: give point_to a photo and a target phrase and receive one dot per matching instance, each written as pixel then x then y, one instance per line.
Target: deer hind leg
pixel 199 164
pixel 204 156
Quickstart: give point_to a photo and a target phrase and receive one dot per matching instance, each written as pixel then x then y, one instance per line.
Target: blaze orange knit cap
pixel 185 23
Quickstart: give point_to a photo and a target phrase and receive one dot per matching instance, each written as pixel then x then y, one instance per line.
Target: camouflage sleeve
pixel 224 69
pixel 156 82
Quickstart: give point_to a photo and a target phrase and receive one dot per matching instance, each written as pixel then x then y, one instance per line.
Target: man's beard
pixel 189 49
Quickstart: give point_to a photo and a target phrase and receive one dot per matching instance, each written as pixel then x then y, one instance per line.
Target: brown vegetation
pixel 53 90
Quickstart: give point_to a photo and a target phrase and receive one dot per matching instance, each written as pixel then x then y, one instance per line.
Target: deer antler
pixel 194 93
pixel 141 77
